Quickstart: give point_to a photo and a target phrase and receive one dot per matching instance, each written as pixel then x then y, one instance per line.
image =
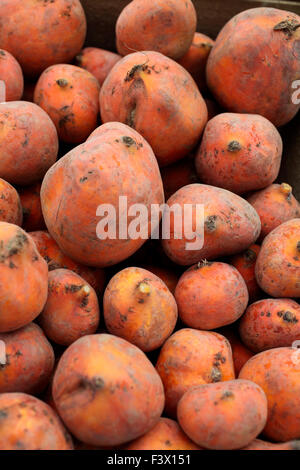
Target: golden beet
pixel 223 416
pixel 22 300
pixel 139 307
pixel 159 99
pixel 242 73
pixel 29 360
pixel 69 94
pixel 189 358
pixel 29 424
pixel 106 390
pixel 42 33
pixel 165 26
pixel 86 179
pixel 210 295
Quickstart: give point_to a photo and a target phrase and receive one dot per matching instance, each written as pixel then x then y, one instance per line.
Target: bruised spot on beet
pixel 210 223
pixel 288 26
pixel 234 146
pixel 216 375
pixel 72 288
pixel 227 394
pixel 136 68
pixel 62 82
pixel 128 141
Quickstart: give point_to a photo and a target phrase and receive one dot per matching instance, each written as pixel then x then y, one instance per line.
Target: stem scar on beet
pixel 234 146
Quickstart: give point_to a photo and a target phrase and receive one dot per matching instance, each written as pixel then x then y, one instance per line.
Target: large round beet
pixel 42 33
pixel 165 26
pixel 24 278
pixel 29 424
pixel 254 63
pixel 157 97
pixel 116 162
pixel 28 144
pixel 106 390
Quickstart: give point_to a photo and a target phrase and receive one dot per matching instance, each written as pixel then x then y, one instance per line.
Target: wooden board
pixel 212 15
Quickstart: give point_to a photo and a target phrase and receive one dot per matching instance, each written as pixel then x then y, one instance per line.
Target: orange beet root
pixel 139 308
pixel 223 416
pixel 24 298
pixel 195 59
pixel 165 26
pixel 10 204
pixel 71 310
pixel 239 152
pixel 69 94
pixel 157 97
pixel 42 33
pixel 270 323
pixel 107 391
pixel 277 372
pixel 28 144
pixel 230 225
pixel 189 358
pixel 166 435
pixel 29 360
pixel 12 75
pixel 274 205
pixel 98 62
pixel 277 267
pixel 245 264
pixel 242 74
pixel 85 178
pixel 29 424
pixel 210 295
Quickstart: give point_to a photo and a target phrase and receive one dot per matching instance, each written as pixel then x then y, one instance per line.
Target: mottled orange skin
pixel 28 142
pixel 178 175
pixel 29 360
pixel 189 358
pixel 12 75
pixel 98 62
pixel 270 323
pixel 42 33
pixel 277 267
pixel 157 97
pixel 252 66
pixel 223 416
pixel 69 94
pixel 50 251
pixel 29 424
pixel 240 353
pixel 258 444
pixel 165 26
pixel 167 275
pixel 230 224
pixel 106 391
pixel 10 204
pixel 166 435
pixel 274 205
pixel 32 211
pixel 117 163
pixel 245 264
pixel 138 307
pixel 71 310
pixel 277 372
pixel 239 152
pixel 195 59
pixel 24 278
pixel 211 295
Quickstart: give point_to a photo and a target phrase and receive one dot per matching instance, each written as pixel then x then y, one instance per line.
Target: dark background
pixel 212 15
